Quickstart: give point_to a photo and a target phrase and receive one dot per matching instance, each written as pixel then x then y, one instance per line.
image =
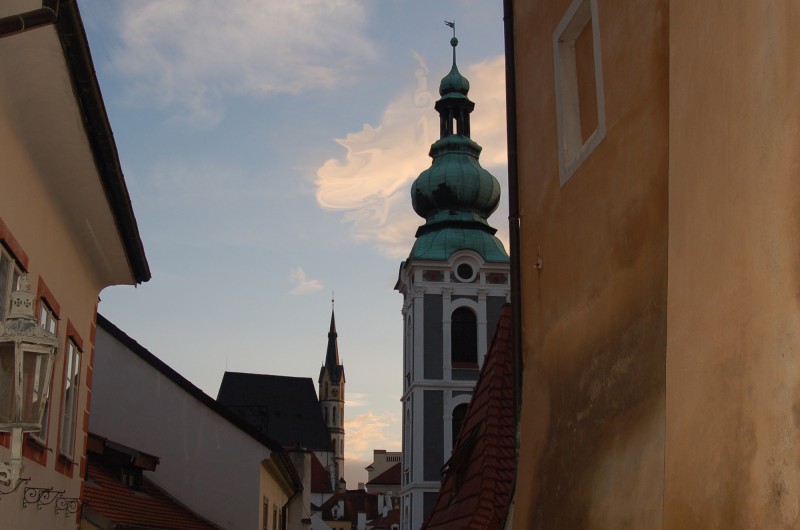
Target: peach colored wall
pixel 594 316
pixel 733 363
pixel 36 221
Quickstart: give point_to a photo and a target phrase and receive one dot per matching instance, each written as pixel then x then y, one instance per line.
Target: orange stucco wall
pixel 661 339
pixel 594 315
pixel 733 341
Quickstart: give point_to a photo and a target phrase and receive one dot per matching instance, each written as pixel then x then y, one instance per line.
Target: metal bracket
pixel 68 505
pixel 7 483
pixel 40 497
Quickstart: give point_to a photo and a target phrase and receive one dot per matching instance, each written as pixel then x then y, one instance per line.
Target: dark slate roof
pixel 332 366
pixel 390 477
pixel 283 408
pixel 477 484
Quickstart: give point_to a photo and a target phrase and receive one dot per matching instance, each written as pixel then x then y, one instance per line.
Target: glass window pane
pixel 5 268
pixel 7 386
pixel 71 389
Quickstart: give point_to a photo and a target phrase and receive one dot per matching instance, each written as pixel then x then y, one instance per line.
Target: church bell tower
pixel 331 399
pixel 454 283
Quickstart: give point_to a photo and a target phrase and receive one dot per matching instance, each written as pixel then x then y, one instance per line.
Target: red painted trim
pixel 34 451
pixel 47 295
pixel 72 333
pixel 13 246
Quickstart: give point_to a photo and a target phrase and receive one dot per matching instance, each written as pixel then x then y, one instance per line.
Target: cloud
pixel 367 431
pixel 357 399
pixel 370 185
pixel 190 53
pixel 302 285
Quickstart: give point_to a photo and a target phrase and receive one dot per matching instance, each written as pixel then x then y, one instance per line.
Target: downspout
pixel 45 15
pixel 513 205
pixel 513 228
pixel 297 483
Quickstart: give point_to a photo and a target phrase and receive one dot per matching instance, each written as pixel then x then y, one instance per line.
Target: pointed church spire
pixel 332 364
pixel 332 354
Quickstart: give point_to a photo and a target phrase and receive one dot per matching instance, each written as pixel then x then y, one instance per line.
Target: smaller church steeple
pixel 331 397
pixel 332 365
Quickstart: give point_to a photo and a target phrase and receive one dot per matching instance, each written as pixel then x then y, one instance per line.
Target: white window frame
pixel 71 394
pixel 9 276
pixel 572 150
pixel 48 321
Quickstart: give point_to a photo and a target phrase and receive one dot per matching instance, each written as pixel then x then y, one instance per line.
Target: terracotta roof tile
pixel 390 477
pixel 476 488
pixel 354 501
pixel 320 478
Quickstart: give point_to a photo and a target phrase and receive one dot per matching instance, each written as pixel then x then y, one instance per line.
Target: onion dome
pixel 454 82
pixel 455 195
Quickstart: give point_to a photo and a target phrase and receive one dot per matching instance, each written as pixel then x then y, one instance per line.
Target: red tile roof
pixel 385 523
pixel 390 477
pixel 320 478
pixel 148 507
pixel 478 478
pixel 354 501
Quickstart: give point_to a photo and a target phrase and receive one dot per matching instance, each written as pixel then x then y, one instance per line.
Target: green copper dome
pixel 455 195
pixel 454 82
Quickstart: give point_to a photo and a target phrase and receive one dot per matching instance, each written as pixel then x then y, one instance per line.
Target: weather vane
pixel 452 25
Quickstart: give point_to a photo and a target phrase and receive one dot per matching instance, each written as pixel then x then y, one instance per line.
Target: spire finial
pixel 454 40
pixel 452 25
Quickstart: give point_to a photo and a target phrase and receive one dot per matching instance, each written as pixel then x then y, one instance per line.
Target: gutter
pixel 98 129
pixel 64 14
pixel 513 228
pixel 45 15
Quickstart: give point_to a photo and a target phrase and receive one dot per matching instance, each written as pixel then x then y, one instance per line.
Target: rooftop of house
pixel 385 523
pixel 477 480
pixel 117 495
pixel 320 478
pixel 284 408
pixel 354 501
pixel 390 477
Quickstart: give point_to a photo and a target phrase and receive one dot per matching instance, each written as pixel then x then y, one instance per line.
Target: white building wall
pixel 207 463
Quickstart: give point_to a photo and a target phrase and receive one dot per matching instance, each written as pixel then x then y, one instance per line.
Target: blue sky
pixel 268 148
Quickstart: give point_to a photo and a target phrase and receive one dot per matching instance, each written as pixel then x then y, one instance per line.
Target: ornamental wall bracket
pixel 40 497
pixel 9 491
pixel 68 505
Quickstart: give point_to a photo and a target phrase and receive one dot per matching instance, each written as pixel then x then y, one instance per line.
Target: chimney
pixel 361 486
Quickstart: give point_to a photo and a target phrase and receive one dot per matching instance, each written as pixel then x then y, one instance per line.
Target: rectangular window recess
pixel 580 106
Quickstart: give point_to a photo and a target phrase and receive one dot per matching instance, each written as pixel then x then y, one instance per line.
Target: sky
pixel 269 148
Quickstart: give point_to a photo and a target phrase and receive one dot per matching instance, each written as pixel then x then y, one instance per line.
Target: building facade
pixel 658 189
pixel 454 283
pixel 66 221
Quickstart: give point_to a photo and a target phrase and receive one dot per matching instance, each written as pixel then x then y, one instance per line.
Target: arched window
pixel 459 413
pixel 464 338
pixel 333 442
pixel 334 415
pixel 325 413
